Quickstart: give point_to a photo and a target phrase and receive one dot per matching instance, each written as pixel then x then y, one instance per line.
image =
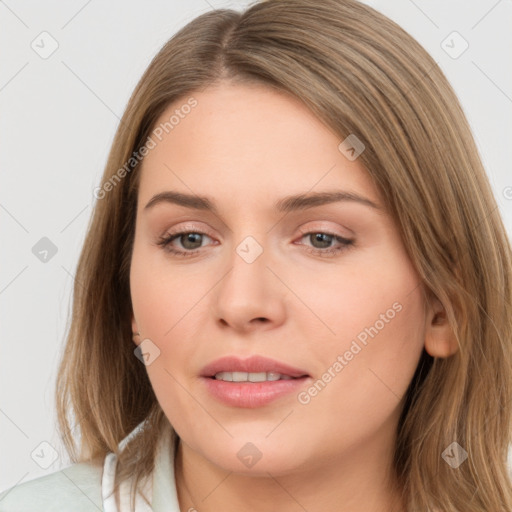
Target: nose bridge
pixel 247 291
pixel 249 275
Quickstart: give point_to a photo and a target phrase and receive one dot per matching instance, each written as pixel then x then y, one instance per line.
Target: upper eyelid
pixel 190 228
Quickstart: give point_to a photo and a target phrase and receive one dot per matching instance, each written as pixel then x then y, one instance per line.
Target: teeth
pixel 250 377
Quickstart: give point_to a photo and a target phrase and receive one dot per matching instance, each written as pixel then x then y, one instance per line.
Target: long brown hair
pixel 361 74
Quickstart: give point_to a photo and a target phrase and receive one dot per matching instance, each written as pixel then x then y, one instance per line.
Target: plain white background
pixel 59 116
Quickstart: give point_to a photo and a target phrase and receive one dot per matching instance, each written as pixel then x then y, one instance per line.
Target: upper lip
pixel 253 364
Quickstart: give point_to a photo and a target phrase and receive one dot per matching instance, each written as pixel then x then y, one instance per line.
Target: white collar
pixel 159 488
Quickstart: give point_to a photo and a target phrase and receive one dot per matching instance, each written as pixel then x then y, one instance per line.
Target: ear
pixel 440 339
pixel 135 332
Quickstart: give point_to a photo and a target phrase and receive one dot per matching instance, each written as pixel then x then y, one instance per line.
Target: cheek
pixel 369 294
pixel 369 390
pixel 377 323
pixel 168 309
pixel 164 299
pixel 162 306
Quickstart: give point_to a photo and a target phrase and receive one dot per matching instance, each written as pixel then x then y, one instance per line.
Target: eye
pixel 324 241
pixel 191 242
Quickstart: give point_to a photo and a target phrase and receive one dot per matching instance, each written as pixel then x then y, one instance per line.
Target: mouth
pixel 252 382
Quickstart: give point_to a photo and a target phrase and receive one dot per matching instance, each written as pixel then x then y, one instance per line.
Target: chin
pixel 257 457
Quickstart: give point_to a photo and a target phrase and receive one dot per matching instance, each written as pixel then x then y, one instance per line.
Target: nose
pixel 250 295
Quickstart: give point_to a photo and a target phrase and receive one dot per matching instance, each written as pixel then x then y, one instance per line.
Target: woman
pixel 295 291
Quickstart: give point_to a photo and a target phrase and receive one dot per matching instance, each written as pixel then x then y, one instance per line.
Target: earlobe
pixel 135 332
pixel 440 339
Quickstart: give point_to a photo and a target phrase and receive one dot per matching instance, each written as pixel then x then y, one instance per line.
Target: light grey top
pixel 84 487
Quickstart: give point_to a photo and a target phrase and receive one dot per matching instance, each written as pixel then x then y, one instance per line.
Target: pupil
pixel 321 237
pixel 189 237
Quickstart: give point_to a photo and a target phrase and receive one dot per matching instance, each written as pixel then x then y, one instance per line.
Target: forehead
pixel 246 144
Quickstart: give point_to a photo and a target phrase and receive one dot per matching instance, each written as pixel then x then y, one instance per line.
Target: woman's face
pixel 324 287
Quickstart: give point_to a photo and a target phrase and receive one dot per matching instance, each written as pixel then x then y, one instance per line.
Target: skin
pixel 246 146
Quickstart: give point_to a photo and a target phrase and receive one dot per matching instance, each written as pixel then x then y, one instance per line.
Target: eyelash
pixel 165 242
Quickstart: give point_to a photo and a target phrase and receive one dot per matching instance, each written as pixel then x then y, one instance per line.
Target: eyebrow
pixel 285 205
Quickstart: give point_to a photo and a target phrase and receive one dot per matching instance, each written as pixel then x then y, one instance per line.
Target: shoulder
pixel 77 488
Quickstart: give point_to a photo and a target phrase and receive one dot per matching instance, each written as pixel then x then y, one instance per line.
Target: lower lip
pixel 252 394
